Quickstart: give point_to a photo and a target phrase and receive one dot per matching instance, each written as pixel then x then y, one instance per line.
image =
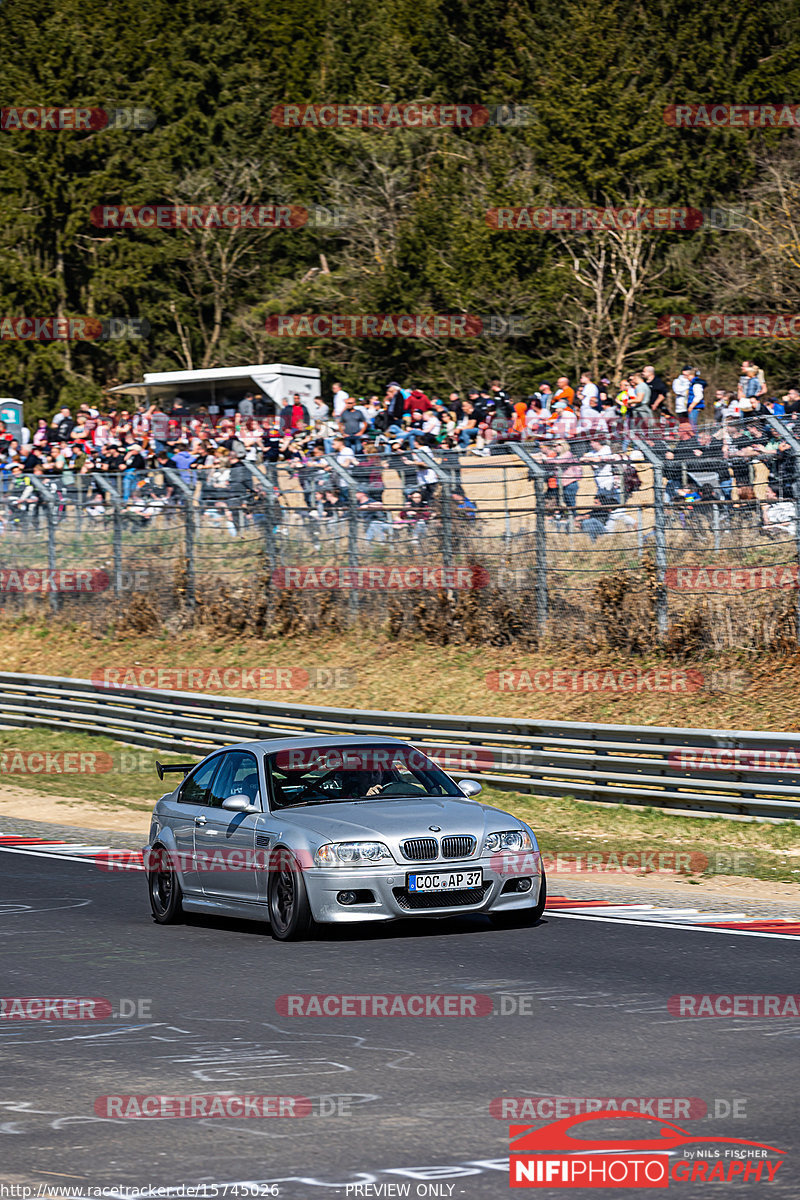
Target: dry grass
pixel 402 673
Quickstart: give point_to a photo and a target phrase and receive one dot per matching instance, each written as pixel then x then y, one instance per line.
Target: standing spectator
pixel 658 391
pixel 749 390
pixel 318 411
pixel 62 425
pixel 184 460
pixel 640 404
pixel 500 396
pixel 695 398
pixel 340 397
pixel 142 420
pixel 133 462
pixel 418 401
pixel 590 392
pixel 680 390
pixel 564 392
pixel 395 404
pixel 352 425
pixel 762 383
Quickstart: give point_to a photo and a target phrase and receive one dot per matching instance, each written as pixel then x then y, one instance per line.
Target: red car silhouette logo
pixel 557 1136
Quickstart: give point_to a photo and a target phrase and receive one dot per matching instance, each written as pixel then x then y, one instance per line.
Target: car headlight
pixel 348 854
pixel 510 842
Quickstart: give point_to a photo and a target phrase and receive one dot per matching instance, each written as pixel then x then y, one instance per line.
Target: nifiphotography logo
pixel 563 1155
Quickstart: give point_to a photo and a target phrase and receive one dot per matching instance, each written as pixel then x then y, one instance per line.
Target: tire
pixel 287 898
pixel 523 918
pixel 166 897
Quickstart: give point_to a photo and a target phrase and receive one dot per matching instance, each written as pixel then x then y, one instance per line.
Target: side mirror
pixel 470 787
pixel 239 804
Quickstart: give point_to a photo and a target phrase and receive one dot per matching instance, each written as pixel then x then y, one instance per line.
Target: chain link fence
pixel 629 539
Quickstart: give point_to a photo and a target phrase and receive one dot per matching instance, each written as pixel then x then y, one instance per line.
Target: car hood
pixel 392 821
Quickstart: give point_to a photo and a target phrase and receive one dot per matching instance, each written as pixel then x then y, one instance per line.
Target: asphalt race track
pixel 408 1098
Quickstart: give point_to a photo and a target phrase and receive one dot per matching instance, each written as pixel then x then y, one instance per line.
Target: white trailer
pixel 225 386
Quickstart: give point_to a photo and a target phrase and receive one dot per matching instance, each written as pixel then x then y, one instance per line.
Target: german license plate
pixel 443 881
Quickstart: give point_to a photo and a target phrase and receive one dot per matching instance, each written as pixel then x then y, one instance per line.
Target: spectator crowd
pixel 148 460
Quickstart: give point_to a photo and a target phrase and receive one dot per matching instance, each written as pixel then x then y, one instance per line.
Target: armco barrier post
pixel 188 504
pixel 794 446
pixel 539 484
pixel 662 603
pixel 48 500
pixel 114 498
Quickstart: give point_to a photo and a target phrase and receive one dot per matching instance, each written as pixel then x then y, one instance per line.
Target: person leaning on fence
pixel 376 522
pixel 600 457
pixel 415 516
pixel 779 516
pixel 594 522
pixel 464 508
pixel 23 500
pixel 570 472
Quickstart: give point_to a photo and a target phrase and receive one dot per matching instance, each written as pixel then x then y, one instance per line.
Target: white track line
pixel 654 924
pixel 633 914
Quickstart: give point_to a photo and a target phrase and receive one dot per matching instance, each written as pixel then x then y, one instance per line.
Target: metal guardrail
pixel 618 764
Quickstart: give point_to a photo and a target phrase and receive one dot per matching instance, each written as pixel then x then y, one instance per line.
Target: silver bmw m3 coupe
pixel 335 829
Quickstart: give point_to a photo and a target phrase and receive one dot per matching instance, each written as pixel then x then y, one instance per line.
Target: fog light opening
pixel 517 885
pixel 347 897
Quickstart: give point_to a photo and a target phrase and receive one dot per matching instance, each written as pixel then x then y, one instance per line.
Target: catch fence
pixel 627 541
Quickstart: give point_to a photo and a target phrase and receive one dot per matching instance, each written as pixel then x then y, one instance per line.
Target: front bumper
pixel 391 901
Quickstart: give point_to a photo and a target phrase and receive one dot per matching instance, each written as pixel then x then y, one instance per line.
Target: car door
pixel 225 841
pixel 190 806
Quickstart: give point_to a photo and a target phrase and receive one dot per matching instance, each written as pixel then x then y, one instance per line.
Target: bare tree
pixel 609 272
pixel 219 258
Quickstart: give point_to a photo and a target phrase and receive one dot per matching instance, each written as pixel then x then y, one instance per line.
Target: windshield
pixel 325 774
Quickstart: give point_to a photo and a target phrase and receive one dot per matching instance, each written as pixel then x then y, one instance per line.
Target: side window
pixel 238 776
pixel 195 787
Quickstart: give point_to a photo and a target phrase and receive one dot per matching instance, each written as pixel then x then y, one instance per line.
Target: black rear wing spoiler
pixel 163 768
